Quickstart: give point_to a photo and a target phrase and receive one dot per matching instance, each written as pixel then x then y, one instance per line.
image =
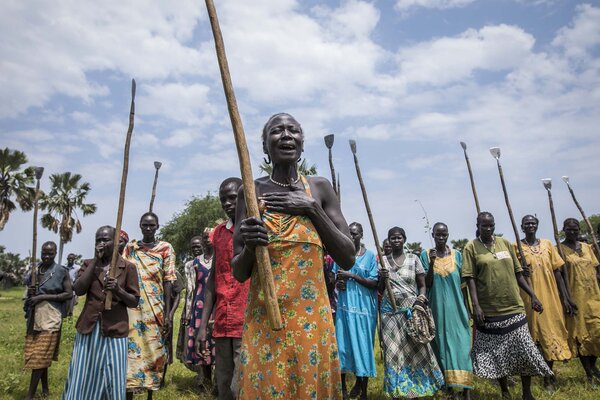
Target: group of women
pixel 303 360
pixel 524 319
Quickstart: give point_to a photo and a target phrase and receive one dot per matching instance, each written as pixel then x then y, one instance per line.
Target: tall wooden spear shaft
pixel 329 144
pixel 157 165
pixel 388 287
pixel 262 254
pixel 565 272
pixel 585 218
pixel 495 151
pixel 115 253
pixel 464 147
pixel 39 171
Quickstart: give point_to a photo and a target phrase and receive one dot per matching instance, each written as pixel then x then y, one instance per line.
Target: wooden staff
pixel 329 143
pixel 565 272
pixel 39 171
pixel 388 287
pixel 115 254
pixel 339 189
pixel 495 151
pixel 585 218
pixel 464 147
pixel 157 165
pixel 548 186
pixel 262 254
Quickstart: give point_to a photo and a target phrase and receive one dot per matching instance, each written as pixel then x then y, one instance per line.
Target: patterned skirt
pixel 41 348
pixel 410 368
pixel 503 347
pixel 98 368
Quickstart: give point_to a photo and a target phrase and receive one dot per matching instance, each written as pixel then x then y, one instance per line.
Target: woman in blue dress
pixel 356 316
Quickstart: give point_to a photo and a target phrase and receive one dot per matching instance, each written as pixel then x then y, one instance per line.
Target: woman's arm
pixel 129 299
pixel 535 303
pixel 568 305
pixel 247 234
pixel 429 261
pixel 209 302
pixel 85 277
pixel 477 311
pixel 420 278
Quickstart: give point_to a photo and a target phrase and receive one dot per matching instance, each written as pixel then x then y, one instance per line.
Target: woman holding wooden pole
pixel 584 277
pixel 301 217
pixel 503 345
pixel 548 330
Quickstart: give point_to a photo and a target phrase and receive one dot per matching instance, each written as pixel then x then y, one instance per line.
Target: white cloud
pixel 54 46
pixel 449 59
pixel 404 5
pixel 185 103
pixel 582 35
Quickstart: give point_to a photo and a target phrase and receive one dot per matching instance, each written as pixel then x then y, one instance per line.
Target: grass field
pixel 14 380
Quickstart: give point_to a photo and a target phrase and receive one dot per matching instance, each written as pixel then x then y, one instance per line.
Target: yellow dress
pixel 301 360
pixel 584 328
pixel 548 329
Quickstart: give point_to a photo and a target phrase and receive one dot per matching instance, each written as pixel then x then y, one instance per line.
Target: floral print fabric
pixel 301 360
pixel 147 353
pixel 191 357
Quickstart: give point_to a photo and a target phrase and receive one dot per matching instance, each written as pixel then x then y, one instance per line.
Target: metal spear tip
pixel 547 183
pixel 463 145
pixel 565 178
pixel 157 164
pixel 353 146
pixel 133 86
pixel 39 171
pixel 329 140
pixel 495 152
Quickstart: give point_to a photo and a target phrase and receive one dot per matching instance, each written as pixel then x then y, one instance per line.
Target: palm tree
pixel 414 247
pixel 14 184
pixel 303 168
pixel 459 244
pixel 67 195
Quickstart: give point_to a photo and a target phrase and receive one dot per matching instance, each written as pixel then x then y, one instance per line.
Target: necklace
pixel 535 248
pixel 148 244
pixel 491 248
pixel 207 260
pixel 285 185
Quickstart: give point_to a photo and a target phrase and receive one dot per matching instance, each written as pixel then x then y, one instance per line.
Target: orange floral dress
pixel 301 360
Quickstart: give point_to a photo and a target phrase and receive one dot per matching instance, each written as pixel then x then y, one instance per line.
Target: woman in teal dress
pixel 452 343
pixel 356 316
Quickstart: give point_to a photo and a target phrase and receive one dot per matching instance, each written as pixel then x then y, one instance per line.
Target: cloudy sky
pixel 408 79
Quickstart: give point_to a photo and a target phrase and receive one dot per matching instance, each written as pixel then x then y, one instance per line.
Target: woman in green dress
pixel 452 342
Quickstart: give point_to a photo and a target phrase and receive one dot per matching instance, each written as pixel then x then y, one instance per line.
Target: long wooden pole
pixel 262 254
pixel 495 151
pixel 157 165
pixel 388 287
pixel 585 218
pixel 115 254
pixel 39 171
pixel 329 139
pixel 565 270
pixel 464 147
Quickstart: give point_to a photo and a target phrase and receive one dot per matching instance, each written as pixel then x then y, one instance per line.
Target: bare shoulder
pixel 321 187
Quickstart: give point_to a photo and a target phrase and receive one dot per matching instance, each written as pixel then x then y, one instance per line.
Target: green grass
pixel 14 380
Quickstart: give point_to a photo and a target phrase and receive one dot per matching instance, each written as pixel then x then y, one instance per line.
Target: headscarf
pixel 124 235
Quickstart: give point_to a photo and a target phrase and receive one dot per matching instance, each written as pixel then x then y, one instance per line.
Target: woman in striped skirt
pixel 98 368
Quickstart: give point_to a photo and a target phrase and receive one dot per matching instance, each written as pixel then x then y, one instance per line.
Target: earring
pixel 267 160
pixel 299 160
